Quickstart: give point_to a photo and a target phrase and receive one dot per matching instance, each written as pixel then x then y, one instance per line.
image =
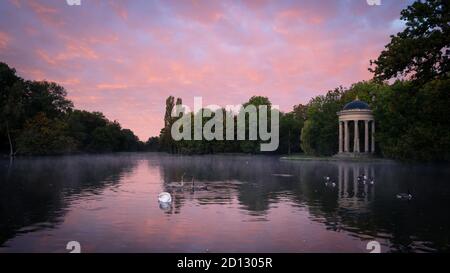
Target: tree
pixel 11 106
pixel 46 97
pixel 286 128
pixel 152 144
pixel 422 50
pixel 129 141
pixel 44 136
pixel 81 125
pixel 166 140
pixel 412 121
pixel 248 145
pixel 320 131
pixel 106 139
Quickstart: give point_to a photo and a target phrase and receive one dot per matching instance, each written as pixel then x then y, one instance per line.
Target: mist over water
pixel 109 203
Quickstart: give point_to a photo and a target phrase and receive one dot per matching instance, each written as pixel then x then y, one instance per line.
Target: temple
pixel 355 115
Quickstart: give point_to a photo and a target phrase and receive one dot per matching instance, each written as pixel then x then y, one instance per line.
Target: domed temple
pixel 354 116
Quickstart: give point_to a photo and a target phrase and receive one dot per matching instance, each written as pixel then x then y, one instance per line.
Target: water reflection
pixel 36 193
pixel 249 203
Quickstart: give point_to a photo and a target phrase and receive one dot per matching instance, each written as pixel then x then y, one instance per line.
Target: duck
pixel 200 187
pixel 177 184
pixel 164 197
pixel 282 174
pixel 404 196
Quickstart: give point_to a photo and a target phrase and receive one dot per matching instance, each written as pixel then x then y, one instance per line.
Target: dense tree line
pixel 290 125
pixel 38 119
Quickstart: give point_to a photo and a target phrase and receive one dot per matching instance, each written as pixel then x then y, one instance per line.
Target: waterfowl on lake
pixel 164 197
pixel 282 174
pixel 177 184
pixel 364 179
pixel 198 187
pixel 404 196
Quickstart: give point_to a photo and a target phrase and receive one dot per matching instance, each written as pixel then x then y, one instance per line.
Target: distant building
pixel 353 141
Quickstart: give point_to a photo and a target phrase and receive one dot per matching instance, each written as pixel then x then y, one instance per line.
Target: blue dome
pixel 356 104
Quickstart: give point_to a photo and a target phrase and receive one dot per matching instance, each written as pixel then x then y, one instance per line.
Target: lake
pixel 109 203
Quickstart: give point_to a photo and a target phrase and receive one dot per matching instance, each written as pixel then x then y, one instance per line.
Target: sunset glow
pixel 124 58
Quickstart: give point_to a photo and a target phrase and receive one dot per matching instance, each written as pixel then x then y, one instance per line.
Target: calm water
pixel 108 203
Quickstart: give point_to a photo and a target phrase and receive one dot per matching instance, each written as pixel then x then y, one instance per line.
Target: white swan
pixel 164 197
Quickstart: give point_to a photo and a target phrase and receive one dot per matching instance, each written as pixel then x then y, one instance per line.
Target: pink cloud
pixel 50 15
pixel 16 3
pixel 4 40
pixel 109 86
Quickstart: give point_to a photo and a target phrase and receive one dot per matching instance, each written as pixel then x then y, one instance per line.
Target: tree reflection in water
pixel 270 204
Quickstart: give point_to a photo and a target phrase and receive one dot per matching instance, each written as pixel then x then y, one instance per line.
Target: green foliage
pixel 46 97
pixel 290 131
pixel 320 133
pixel 413 121
pixel 152 144
pixel 165 139
pixel 422 49
pixel 106 139
pixel 11 107
pixel 44 136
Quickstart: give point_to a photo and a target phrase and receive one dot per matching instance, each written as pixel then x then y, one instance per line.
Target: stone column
pixel 366 136
pixel 373 136
pixel 356 138
pixel 346 137
pixel 340 137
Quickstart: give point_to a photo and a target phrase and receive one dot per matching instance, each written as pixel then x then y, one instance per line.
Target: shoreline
pixel 284 157
pixel 336 159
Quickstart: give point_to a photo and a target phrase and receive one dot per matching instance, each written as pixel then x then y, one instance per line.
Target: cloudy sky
pixel 124 58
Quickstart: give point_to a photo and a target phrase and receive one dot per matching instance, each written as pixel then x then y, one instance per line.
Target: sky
pixel 125 57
